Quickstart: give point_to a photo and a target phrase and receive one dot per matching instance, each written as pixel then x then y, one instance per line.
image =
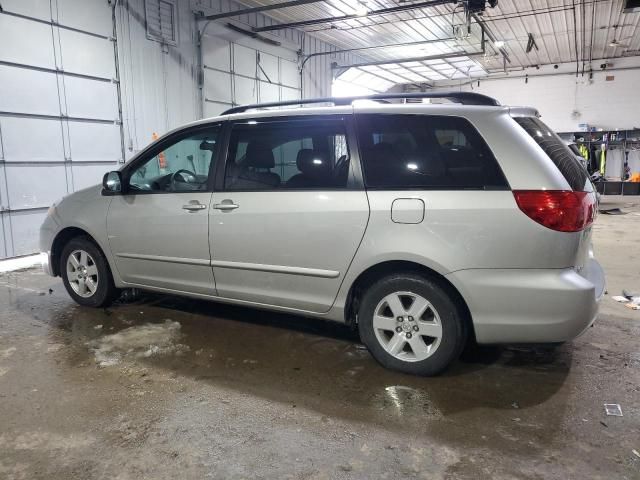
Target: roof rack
pixel 465 98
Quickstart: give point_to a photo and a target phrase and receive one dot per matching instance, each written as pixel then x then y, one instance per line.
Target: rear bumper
pixel 530 305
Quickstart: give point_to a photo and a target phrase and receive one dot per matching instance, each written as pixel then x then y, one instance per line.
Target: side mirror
pixel 112 183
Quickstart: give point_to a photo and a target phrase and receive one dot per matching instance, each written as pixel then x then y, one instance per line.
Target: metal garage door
pixel 60 126
pixel 236 74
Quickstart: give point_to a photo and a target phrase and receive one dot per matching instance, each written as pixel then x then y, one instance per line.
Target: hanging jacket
pixel 603 159
pixel 584 151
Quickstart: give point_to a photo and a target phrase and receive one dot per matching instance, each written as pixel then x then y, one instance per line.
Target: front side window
pixel 181 167
pixel 425 151
pixel 280 155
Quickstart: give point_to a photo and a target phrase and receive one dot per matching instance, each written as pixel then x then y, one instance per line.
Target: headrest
pixel 259 155
pixel 312 164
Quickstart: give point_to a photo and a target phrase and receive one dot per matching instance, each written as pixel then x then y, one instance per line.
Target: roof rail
pixel 466 98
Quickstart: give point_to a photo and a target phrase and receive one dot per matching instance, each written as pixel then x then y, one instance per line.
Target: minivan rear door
pixel 288 211
pixel 573 172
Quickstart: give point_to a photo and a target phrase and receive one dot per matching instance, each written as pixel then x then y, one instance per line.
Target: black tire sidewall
pixel 106 290
pixel 453 328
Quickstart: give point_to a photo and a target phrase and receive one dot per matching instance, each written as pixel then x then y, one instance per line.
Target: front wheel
pixel 85 273
pixel 411 324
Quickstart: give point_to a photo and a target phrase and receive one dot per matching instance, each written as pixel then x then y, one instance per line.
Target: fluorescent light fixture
pixel 317 161
pixel 412 166
pixel 499 43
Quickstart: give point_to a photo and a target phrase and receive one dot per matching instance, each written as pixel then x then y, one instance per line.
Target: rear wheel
pixel 85 273
pixel 411 324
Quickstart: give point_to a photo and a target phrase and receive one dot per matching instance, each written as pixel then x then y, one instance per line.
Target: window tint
pixel 424 151
pixel 287 155
pixel 576 175
pixel 181 167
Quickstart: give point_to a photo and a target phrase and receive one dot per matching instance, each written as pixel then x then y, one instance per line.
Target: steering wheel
pixel 185 175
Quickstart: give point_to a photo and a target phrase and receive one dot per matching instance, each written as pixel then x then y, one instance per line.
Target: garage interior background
pixel 93 81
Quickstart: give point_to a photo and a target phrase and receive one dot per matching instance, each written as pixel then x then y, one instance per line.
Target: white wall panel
pixel 214 109
pixel 159 83
pixel 244 60
pixel 289 93
pixel 94 142
pixel 89 15
pixel 604 104
pixel 86 54
pixel 217 86
pixel 34 49
pixel 25 227
pixel 28 91
pixel 33 8
pixel 31 139
pixel 4 233
pixel 35 150
pixel 88 175
pixel 246 90
pixel 216 52
pixel 91 98
pixel 33 186
pixel 269 92
pixel 289 74
pixel 269 71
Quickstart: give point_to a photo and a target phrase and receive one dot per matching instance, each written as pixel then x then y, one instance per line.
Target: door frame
pixel 170 139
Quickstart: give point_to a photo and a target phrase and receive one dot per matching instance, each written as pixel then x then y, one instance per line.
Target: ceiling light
pixel 362 10
pixel 498 43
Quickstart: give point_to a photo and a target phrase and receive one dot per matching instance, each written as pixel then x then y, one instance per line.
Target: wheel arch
pixel 63 237
pixel 375 272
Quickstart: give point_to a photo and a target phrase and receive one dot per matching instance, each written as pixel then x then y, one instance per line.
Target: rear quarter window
pixel 425 152
pixel 559 153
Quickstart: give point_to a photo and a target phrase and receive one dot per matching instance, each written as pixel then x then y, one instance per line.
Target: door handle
pixel 226 205
pixel 193 207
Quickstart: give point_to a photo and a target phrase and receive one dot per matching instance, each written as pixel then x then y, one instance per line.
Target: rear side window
pixel 296 154
pixel 425 151
pixel 575 174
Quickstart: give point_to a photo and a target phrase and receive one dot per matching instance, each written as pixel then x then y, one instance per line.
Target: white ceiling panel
pixel 563 30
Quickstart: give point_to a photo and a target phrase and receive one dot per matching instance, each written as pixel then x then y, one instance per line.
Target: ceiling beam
pixel 262 8
pixel 372 13
pixel 376 47
pixel 413 59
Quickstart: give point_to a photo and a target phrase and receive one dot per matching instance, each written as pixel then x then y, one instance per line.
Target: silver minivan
pixel 424 225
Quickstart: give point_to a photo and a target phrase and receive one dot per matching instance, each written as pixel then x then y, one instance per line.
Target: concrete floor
pixel 170 388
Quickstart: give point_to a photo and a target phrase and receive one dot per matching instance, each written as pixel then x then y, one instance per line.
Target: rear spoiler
pixel 524 112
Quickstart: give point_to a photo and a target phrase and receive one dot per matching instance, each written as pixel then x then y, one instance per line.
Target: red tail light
pixel 560 210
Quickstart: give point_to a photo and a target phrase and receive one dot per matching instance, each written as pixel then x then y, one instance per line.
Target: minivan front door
pixel 290 214
pixel 158 229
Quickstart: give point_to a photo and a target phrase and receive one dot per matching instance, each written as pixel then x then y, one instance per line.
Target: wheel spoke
pixel 418 307
pixel 92 270
pixel 396 344
pixel 83 258
pixel 74 261
pixel 82 286
pixel 384 323
pixel 393 300
pixel 420 349
pixel 90 284
pixel 430 329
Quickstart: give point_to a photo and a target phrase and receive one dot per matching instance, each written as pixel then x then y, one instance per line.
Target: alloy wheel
pixel 407 326
pixel 82 273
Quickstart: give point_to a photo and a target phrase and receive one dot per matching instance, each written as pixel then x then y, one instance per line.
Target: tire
pixel 432 332
pixel 87 276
